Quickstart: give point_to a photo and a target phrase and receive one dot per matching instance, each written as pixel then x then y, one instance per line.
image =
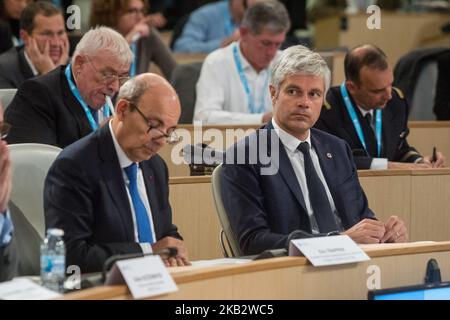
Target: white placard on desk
pixel 327 251
pixel 145 276
pixel 25 289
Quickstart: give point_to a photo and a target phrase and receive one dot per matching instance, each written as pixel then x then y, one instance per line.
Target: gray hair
pixel 133 90
pixel 270 14
pixel 299 60
pixel 104 38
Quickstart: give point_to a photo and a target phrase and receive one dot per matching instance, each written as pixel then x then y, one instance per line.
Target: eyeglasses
pixel 171 136
pixel 4 129
pixel 136 11
pixel 110 78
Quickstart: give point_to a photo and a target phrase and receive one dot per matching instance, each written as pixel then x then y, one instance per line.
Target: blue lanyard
pixel 87 111
pixel 133 48
pixel 357 125
pixel 229 26
pixel 240 70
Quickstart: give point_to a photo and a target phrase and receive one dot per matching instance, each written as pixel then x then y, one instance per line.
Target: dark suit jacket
pixel 265 210
pixel 14 68
pixel 85 195
pixel 44 110
pixel 335 120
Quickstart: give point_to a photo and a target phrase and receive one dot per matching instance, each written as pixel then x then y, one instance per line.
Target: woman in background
pixel 10 11
pixel 129 18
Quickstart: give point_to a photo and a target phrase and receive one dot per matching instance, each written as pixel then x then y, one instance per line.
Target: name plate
pixel 328 251
pixel 25 289
pixel 145 277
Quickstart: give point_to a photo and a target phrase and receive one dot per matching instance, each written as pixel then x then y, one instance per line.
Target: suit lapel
pixel 113 178
pixel 25 68
pixel 325 158
pixel 285 168
pixel 73 106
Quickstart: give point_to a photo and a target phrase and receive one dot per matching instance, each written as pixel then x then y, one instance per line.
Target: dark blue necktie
pixel 317 194
pixel 142 220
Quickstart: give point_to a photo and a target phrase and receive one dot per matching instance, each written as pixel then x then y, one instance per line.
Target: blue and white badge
pixel 357 125
pixel 251 98
pixel 76 93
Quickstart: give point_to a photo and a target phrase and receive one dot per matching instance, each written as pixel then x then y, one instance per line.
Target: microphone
pixel 168 252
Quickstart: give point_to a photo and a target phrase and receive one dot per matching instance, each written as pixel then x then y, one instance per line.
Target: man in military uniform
pixel 371 115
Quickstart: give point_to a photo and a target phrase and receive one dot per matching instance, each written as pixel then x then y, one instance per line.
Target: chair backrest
pixel 6 96
pixel 30 164
pixel 422 103
pixel 223 216
pixel 184 78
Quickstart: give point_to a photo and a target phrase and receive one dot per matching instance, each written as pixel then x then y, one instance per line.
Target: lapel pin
pixel 329 156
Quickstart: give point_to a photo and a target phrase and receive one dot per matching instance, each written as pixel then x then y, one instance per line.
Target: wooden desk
pixel 400 33
pixel 426 134
pixel 420 198
pixel 295 278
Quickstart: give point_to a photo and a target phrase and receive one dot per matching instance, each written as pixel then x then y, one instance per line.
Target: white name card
pixel 145 277
pixel 25 289
pixel 327 251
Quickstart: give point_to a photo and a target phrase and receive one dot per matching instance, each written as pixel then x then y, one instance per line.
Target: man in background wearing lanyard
pixel 71 101
pixel 212 26
pixel 371 115
pixel 233 87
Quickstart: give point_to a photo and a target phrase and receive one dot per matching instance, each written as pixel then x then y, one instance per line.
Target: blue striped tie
pixel 142 220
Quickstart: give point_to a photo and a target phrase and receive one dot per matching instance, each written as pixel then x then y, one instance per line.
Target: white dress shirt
pixel 124 162
pixel 221 97
pixel 30 63
pixel 291 144
pixel 377 163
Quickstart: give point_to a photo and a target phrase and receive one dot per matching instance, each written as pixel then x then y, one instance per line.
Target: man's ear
pixel 351 86
pixel 122 107
pixel 273 93
pixel 77 63
pixel 24 36
pixel 243 31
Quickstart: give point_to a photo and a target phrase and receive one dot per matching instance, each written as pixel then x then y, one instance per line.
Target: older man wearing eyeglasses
pixel 109 190
pixel 72 100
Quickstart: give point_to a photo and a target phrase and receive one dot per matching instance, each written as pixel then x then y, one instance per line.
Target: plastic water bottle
pixel 53 260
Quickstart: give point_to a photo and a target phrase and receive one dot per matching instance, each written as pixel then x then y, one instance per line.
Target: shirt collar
pixel 124 161
pixel 288 140
pixel 32 67
pixel 364 111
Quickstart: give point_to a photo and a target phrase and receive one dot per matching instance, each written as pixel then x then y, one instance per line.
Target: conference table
pixel 391 265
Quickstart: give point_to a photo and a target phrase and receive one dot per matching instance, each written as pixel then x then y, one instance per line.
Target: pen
pixel 434 156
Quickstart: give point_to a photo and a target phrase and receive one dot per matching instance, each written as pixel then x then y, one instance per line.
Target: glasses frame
pixel 171 138
pixel 109 79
